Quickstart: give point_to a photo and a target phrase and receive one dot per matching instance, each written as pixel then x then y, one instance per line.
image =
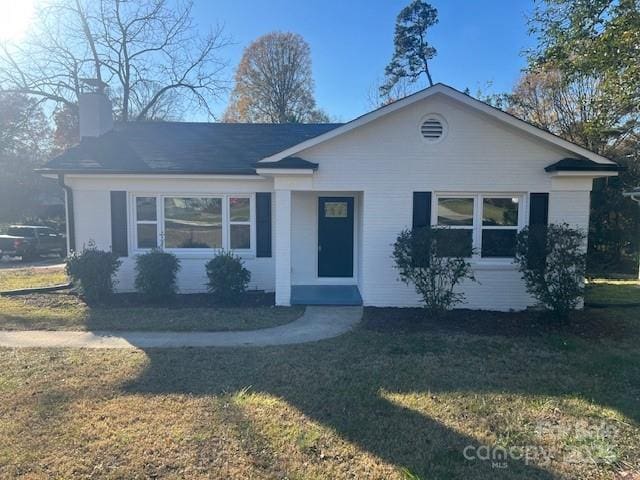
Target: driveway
pixel 317 323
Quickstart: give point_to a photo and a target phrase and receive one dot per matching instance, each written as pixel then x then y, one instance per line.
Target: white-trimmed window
pixel 194 223
pixel 146 210
pixel 500 224
pixel 239 223
pixel 481 225
pixel 456 213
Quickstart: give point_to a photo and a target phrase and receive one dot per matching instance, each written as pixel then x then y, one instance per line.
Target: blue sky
pixel 352 40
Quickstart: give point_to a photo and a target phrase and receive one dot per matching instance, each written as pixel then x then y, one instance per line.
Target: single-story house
pixel 313 209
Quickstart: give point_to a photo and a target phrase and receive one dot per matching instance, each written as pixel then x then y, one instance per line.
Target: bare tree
pixel 571 108
pixel 274 82
pixel 376 99
pixel 146 51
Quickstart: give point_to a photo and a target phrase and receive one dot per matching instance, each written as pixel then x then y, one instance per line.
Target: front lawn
pixel 58 311
pixel 609 291
pixel 19 278
pixel 62 311
pixel 375 403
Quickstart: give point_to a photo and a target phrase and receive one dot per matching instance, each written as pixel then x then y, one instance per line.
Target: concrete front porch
pixel 325 295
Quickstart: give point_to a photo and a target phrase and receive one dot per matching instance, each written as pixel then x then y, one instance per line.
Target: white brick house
pixel 314 209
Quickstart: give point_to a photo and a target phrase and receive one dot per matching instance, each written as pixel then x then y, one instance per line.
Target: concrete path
pixel 317 323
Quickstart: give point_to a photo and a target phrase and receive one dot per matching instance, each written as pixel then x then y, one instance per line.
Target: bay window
pixel 479 225
pixel 194 222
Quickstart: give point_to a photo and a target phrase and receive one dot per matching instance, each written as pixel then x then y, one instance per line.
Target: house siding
pixel 387 161
pixel 381 164
pixel 93 224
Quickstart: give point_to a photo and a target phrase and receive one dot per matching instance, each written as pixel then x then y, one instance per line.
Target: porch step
pixel 325 295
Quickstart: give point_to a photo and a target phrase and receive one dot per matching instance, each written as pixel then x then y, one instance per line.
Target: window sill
pixel 199 255
pixel 493 264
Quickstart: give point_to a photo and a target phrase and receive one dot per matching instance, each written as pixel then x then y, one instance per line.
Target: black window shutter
pixel 538 221
pixel 263 224
pixel 421 209
pixel 539 209
pixel 119 223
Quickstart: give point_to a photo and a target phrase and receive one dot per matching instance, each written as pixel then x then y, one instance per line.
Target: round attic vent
pixel 432 128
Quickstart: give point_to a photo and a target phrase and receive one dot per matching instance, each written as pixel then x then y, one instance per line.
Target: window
pixel 499 226
pixel 187 222
pixel 192 222
pixel 239 223
pixel 336 210
pixel 21 232
pixel 146 222
pixel 456 213
pixel 487 224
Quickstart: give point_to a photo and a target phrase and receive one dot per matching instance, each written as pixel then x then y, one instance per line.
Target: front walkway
pixel 317 323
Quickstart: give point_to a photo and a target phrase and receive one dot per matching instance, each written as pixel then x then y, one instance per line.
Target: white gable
pixel 441 90
pixel 477 152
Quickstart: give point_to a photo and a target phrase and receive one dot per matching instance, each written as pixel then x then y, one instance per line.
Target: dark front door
pixel 335 237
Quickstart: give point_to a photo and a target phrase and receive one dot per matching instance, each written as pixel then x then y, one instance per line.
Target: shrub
pixel 92 272
pixel 552 260
pixel 433 274
pixel 156 275
pixel 228 279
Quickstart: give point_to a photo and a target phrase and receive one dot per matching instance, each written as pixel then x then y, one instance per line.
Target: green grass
pixel 369 404
pixel 60 311
pixel 358 406
pixel 15 279
pixel 67 312
pixel 614 292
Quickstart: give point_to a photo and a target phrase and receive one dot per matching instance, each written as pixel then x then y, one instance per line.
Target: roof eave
pixel 61 171
pixel 611 168
pixel 267 172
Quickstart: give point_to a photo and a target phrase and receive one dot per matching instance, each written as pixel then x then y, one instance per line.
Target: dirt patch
pixel 589 323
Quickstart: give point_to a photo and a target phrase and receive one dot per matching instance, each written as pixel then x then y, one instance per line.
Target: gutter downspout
pixel 71 227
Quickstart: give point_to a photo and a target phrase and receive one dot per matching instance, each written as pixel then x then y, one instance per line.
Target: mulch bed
pixel 589 323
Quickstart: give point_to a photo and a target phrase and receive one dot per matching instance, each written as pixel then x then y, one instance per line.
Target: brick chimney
pixel 96 116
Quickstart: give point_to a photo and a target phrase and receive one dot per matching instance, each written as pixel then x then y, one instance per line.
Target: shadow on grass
pixel 57 311
pixel 339 385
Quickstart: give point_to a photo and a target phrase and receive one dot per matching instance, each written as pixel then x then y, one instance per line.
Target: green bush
pixel 228 279
pixel 434 271
pixel 156 275
pixel 552 260
pixel 92 272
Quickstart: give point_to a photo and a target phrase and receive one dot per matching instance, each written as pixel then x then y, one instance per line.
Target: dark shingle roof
pixel 290 162
pixel 582 165
pixel 178 147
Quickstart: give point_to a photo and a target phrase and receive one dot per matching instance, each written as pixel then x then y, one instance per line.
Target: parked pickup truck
pixel 29 241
